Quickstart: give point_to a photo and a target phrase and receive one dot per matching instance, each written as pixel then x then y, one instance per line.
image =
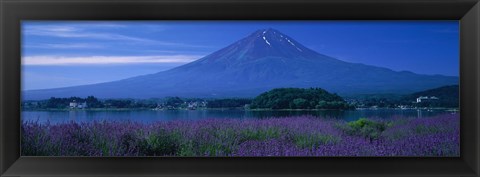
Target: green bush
pixel 424 129
pixel 214 149
pixel 299 103
pixel 260 134
pixel 315 140
pixel 158 144
pixel 299 98
pixel 367 128
pixel 187 149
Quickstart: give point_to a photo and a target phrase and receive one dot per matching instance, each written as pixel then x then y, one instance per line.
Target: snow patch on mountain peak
pixel 293 44
pixel 265 39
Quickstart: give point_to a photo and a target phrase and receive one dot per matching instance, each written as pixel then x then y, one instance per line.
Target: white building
pixel 82 105
pixel 192 105
pixel 426 98
pixel 74 104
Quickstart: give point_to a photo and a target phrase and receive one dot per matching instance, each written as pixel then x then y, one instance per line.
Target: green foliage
pixel 130 140
pixel 260 134
pixel 448 97
pixel 425 129
pixel 314 140
pixel 118 103
pixel 228 103
pixel 366 128
pixel 60 103
pixel 38 145
pixel 333 105
pixel 174 102
pixel 299 103
pixel 158 144
pixel 299 98
pixel 187 149
pixel 221 144
pixel 92 102
pixel 214 149
pixel 382 101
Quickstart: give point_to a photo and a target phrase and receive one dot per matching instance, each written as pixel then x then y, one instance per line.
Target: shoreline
pixel 229 109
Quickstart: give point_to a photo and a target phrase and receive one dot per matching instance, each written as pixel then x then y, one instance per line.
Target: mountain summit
pixel 263 60
pixel 263 43
pixel 260 44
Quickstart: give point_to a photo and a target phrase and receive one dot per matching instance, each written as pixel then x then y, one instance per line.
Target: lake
pixel 147 116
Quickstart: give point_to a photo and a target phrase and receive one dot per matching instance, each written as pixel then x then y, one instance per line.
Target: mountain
pixel 264 60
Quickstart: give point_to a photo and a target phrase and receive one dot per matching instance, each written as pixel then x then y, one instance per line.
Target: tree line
pixel 446 97
pixel 281 98
pixel 299 98
pixel 91 101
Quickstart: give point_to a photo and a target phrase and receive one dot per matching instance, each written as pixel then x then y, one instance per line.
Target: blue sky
pixel 68 53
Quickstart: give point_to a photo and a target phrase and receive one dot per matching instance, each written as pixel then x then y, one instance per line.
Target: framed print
pixel 214 88
pixel 88 88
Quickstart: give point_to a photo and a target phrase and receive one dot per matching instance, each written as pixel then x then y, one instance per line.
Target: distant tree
pixel 299 98
pixel 300 103
pixel 448 96
pixel 116 103
pixel 93 102
pixel 228 103
pixel 174 101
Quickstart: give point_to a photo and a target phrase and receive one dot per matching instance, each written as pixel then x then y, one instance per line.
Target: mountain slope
pixel 264 60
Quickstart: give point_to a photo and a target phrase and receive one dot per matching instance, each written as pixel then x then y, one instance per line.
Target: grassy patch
pixel 314 140
pixel 260 134
pixel 366 128
pixel 159 144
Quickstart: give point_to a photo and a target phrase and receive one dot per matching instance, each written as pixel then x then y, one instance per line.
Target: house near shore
pixel 75 105
pixel 192 105
pixel 196 104
pixel 426 99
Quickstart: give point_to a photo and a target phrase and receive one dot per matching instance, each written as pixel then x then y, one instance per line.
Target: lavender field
pixel 282 136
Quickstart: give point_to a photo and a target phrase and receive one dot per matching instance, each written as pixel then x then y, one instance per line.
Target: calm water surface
pixel 147 116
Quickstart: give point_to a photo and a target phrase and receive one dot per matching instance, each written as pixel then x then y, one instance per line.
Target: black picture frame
pixel 14 11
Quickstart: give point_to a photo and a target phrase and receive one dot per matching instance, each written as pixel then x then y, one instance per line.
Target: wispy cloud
pixel 66 31
pixel 65 46
pixel 105 60
pixel 102 25
pixel 92 32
